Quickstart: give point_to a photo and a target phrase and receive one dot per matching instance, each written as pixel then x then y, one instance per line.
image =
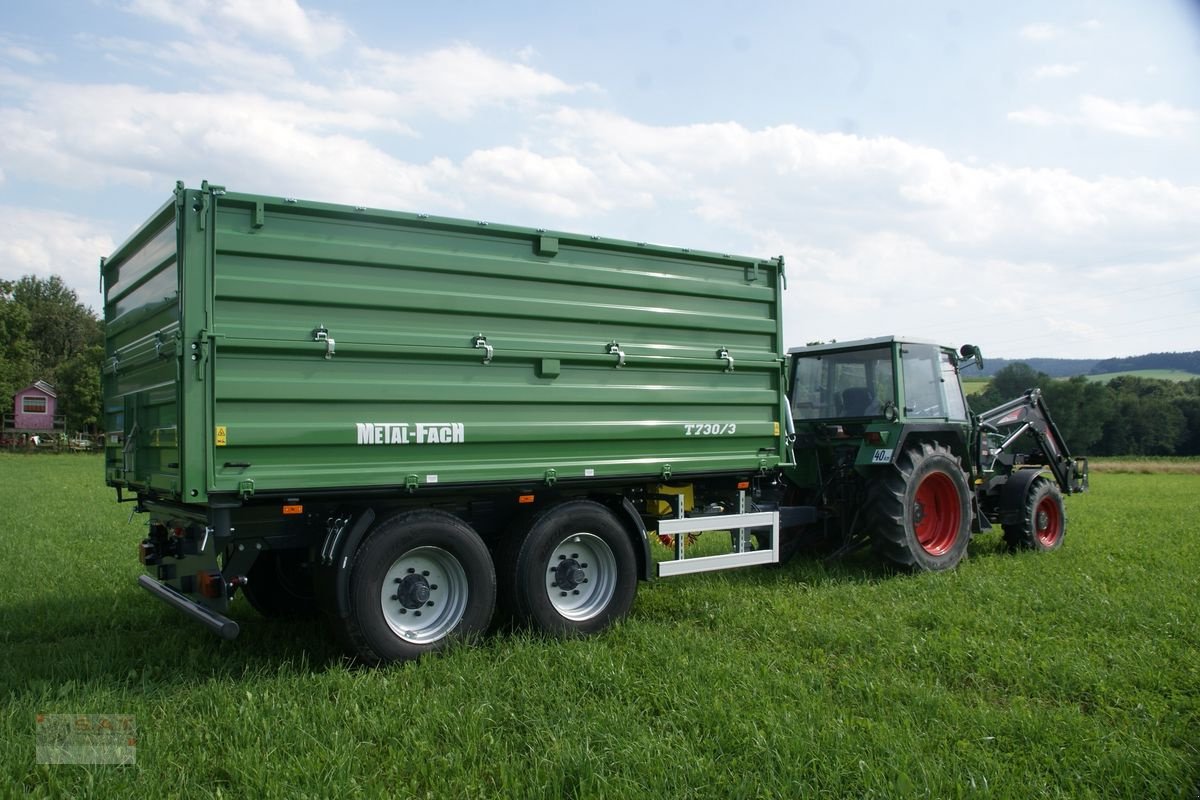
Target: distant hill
pixel 1054 367
pixel 1185 362
pixel 1067 367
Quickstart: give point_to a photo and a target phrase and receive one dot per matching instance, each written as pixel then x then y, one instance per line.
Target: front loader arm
pixel 1029 414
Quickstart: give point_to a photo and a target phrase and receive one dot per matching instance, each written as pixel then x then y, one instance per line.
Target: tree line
pixel 1128 415
pixel 48 335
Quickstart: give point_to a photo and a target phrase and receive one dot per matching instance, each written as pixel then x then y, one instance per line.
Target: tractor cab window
pixel 923 396
pixel 956 403
pixel 835 385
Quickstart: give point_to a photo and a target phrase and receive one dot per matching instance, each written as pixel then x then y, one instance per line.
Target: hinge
pixel 246 488
pixel 551 477
pixel 411 482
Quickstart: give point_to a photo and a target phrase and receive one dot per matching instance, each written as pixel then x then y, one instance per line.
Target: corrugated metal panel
pixel 406 397
pixel 142 314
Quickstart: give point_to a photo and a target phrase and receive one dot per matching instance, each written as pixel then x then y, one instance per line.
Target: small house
pixel 35 407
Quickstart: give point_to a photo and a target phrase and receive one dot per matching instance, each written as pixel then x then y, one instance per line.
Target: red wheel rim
pixel 1047 521
pixel 936 513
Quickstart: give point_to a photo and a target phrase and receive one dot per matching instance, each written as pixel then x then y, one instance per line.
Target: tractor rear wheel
pixel 1043 523
pixel 919 513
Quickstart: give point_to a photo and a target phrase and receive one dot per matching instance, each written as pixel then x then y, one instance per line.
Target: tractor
pixel 889 453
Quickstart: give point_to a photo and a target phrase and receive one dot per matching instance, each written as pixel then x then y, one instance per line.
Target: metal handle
pixel 724 353
pixel 480 341
pixel 614 349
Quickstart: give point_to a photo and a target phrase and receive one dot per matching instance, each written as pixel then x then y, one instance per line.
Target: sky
pixel 1024 176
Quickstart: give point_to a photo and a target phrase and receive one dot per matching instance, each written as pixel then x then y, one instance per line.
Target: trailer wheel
pixel 279 585
pixel 573 572
pixel 920 512
pixel 1043 522
pixel 421 580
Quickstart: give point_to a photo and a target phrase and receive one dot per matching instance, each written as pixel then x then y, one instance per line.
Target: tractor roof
pixel 860 343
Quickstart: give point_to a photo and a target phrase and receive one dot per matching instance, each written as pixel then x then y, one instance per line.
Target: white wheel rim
pixel 424 595
pixel 581 576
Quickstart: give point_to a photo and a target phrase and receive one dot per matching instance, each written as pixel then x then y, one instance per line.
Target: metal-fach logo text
pixel 410 432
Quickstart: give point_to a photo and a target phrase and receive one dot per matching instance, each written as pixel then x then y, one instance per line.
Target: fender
pixel 631 520
pixel 1012 496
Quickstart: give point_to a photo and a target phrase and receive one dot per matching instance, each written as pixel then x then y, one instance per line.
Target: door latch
pixel 321 334
pixel 480 342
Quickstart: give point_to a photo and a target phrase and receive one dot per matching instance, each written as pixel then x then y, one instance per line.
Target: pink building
pixel 34 408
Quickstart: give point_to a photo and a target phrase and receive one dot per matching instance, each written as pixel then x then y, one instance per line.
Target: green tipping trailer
pixel 405 420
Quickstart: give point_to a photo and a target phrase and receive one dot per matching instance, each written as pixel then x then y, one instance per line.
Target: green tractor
pixel 889 453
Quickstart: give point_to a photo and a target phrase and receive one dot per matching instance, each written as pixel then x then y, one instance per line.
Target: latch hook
pixel 724 353
pixel 614 349
pixel 321 334
pixel 480 342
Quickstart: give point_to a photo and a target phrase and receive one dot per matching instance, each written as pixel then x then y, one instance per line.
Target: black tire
pixel 440 587
pixel 920 512
pixel 572 572
pixel 1043 522
pixel 280 585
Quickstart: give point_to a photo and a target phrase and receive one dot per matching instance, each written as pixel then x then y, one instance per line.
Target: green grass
pixel 1074 674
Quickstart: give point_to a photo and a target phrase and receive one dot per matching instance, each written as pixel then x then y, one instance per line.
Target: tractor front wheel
pixel 1043 522
pixel 919 512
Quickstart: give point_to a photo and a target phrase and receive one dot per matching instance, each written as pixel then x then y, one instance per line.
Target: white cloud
pixel 1146 121
pixel 45 242
pixel 1056 71
pixel 455 81
pixel 283 21
pixel 1039 32
pixel 1091 25
pixel 1156 120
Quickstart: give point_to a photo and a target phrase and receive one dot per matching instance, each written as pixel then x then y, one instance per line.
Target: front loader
pixel 887 450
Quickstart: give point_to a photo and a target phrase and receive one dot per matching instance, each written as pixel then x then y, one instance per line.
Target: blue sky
pixel 1023 175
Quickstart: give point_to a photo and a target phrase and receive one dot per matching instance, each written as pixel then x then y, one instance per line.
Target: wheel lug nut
pixel 585 580
pixel 429 604
pixel 554 585
pixel 584 566
pixel 574 555
pixel 398 580
pixel 395 597
pixel 564 594
pixel 562 558
pixel 404 611
pixel 425 572
pixel 416 613
pixel 433 587
pixel 575 592
pixel 411 570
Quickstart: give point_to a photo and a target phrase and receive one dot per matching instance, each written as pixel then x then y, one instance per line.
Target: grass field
pixel 1074 674
pixel 1156 374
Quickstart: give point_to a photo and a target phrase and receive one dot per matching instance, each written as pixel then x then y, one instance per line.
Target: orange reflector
pixel 293 509
pixel 212 583
pixel 525 498
pixel 743 484
pixel 873 437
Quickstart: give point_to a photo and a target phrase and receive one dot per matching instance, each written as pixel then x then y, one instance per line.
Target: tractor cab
pixel 886 378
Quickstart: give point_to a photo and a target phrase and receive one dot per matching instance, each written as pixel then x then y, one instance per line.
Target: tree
pixel 16 351
pixel 60 327
pixel 79 389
